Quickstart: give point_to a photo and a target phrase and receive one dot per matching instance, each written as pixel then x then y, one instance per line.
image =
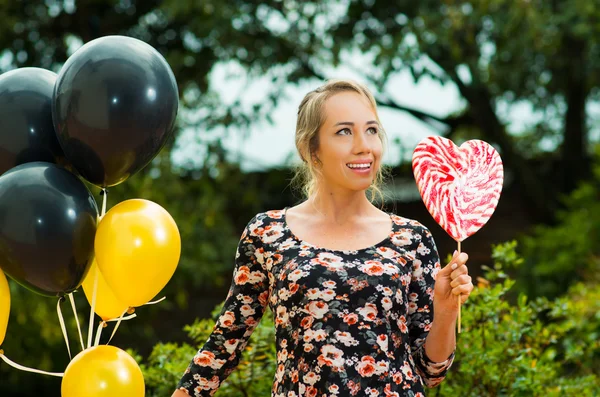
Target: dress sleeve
pixel 243 308
pixel 420 309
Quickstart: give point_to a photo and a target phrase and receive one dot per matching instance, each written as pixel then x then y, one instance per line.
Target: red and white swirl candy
pixel 460 186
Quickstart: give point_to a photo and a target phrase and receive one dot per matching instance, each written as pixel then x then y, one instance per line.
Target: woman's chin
pixel 361 186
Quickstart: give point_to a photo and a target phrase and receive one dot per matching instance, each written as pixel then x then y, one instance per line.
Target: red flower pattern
pixel 348 323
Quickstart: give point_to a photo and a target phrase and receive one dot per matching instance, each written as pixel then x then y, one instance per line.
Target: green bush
pixel 567 252
pixel 528 348
pixel 253 376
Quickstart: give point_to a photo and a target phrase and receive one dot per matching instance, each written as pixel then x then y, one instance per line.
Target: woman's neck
pixel 339 208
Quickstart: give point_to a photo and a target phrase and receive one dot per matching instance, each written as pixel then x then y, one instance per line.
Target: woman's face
pixel 349 143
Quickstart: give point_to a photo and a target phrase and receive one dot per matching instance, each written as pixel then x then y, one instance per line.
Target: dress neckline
pixel 371 247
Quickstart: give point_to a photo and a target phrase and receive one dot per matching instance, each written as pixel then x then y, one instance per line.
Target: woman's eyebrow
pixel 352 124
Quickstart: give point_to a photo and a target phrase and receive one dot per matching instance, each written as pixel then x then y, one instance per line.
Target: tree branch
pixel 450 123
pixel 481 114
pixel 575 164
pixel 482 111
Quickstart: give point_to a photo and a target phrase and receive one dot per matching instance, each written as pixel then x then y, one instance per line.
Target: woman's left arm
pixel 433 309
pixel 451 281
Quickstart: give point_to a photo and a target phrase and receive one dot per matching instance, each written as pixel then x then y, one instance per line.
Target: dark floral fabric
pixel 348 323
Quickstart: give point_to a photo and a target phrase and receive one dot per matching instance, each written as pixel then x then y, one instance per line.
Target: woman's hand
pixel 451 281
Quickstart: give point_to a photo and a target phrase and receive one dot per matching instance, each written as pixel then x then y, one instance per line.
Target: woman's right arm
pixel 243 308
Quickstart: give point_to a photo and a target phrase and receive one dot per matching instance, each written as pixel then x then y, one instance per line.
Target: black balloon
pixel 26 128
pixel 48 221
pixel 115 105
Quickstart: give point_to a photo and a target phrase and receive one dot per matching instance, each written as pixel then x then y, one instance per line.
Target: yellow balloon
pixel 137 250
pixel 107 304
pixel 103 371
pixel 4 306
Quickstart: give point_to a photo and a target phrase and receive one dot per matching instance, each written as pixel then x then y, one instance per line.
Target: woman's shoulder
pixel 266 226
pixel 408 223
pixel 417 232
pixel 269 216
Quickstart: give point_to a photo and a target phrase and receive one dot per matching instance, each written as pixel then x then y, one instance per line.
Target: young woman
pixel 362 306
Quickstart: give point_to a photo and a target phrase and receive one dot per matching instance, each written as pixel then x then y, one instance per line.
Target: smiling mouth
pixel 364 166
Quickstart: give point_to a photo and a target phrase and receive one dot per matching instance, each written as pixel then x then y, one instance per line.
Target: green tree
pixel 494 51
pixel 567 251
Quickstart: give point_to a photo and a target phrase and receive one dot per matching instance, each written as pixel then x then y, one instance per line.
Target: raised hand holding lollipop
pixel 460 186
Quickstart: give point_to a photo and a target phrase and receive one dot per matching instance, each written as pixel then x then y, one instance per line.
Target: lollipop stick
pixel 459 296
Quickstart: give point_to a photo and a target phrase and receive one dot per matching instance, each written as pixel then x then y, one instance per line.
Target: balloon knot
pixel 104 324
pixel 1 352
pixel 131 310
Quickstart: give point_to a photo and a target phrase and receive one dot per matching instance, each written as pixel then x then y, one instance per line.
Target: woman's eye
pixel 346 131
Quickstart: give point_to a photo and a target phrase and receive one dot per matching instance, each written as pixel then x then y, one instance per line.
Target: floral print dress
pixel 348 323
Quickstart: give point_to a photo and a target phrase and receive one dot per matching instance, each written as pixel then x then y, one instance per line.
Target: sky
pixel 268 145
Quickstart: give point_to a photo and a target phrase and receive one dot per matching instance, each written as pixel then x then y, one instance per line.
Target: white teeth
pixel 359 165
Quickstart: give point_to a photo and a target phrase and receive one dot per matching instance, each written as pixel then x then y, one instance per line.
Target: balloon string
pixel 122 319
pixel 459 298
pixel 156 301
pixel 61 320
pixel 104 194
pixel 99 332
pixel 116 327
pixel 76 320
pixel 23 368
pixel 103 324
pixel 92 308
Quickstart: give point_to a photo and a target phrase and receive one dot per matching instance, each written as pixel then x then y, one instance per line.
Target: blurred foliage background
pixel 533 324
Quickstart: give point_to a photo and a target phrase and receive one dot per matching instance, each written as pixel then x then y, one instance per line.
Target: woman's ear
pixel 315 160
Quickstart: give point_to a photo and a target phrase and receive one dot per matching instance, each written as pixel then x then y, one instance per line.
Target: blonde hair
pixel 311 116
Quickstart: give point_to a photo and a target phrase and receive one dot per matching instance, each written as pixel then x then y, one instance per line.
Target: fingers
pixel 462 279
pixel 459 271
pixel 446 270
pixel 463 289
pixel 461 259
pixel 454 256
pixel 463 298
pixel 458 259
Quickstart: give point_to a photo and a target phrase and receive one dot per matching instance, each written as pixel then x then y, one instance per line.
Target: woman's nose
pixel 361 143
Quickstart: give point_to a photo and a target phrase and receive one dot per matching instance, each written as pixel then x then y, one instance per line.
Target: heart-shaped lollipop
pixel 460 186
